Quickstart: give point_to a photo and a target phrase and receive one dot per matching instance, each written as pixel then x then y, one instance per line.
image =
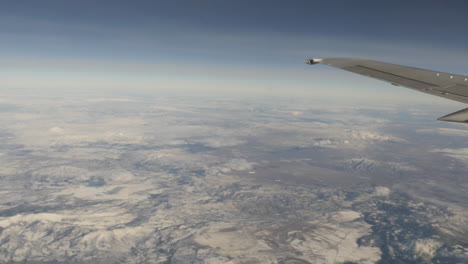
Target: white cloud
pixel 372 136
pixel 445 131
pixel 218 142
pixel 56 131
pixel 460 154
pixel 100 100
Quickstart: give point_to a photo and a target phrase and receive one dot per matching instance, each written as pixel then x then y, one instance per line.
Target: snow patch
pixel 381 191
pixel 348 215
pixel 426 248
pixel 30 218
pixel 237 164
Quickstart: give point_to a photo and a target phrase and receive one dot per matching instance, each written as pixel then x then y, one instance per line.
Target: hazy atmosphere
pixel 192 132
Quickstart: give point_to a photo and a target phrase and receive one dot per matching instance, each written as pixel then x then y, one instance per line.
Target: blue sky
pixel 212 46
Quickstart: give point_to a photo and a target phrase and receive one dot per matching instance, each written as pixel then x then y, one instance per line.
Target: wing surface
pixel 450 86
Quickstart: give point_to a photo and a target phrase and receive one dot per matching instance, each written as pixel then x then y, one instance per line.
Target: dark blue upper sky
pixel 147 38
pixel 415 20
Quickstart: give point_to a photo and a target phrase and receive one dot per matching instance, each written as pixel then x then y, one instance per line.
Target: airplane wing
pixel 450 86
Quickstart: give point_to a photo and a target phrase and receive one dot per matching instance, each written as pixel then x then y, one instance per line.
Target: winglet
pixel 459 117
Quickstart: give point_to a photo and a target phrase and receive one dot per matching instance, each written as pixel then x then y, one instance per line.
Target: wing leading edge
pixel 450 86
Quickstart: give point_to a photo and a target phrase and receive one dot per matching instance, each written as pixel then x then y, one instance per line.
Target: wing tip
pixel 313 61
pixel 457 117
